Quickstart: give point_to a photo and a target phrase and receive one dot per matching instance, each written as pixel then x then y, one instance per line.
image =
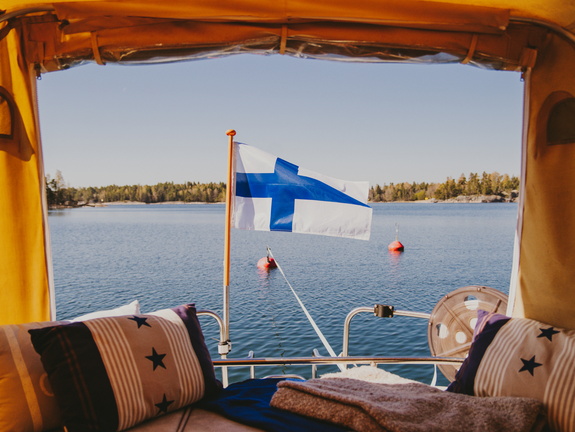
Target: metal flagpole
pixel 225 346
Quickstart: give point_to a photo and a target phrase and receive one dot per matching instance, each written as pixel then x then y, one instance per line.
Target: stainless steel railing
pixel 252 362
pixel 316 360
pixel 378 310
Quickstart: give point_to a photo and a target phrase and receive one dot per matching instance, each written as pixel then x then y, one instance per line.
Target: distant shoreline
pixel 492 187
pixel 114 203
pixel 463 199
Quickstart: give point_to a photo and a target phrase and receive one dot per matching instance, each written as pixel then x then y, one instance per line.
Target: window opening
pixel 6 115
pixel 561 123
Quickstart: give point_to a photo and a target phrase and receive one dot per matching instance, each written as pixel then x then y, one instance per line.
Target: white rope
pixel 434 379
pixel 312 322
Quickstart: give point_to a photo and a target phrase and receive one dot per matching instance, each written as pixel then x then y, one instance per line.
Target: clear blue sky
pixel 383 123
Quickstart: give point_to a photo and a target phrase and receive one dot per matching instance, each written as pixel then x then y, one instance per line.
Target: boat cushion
pixel 25 388
pixel 113 373
pixel 522 357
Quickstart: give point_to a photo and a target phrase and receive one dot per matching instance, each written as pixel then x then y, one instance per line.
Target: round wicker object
pixel 453 319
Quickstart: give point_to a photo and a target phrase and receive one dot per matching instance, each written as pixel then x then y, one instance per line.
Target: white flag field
pixel 272 194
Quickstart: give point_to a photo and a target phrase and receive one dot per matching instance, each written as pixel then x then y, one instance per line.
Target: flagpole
pixel 227 347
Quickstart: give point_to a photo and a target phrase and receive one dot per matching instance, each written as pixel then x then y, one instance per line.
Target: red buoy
pixel 267 263
pixel 395 246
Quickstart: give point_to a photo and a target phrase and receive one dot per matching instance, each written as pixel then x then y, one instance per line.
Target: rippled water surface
pixel 166 255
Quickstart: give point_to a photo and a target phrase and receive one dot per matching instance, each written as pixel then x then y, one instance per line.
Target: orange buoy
pixel 395 246
pixel 267 263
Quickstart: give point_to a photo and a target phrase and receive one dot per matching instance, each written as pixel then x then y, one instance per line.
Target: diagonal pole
pixel 307 314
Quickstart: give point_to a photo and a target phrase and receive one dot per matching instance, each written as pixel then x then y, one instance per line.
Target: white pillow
pixel 129 309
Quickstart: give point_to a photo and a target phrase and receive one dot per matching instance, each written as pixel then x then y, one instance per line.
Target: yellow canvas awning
pixel 559 12
pixel 25 292
pixel 146 31
pixel 531 36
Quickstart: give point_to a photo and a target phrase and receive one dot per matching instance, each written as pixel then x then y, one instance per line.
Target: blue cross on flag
pixel 272 194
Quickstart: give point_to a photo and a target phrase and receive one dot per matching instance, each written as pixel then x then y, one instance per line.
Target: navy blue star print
pixel 163 406
pixel 140 320
pixel 156 359
pixel 530 365
pixel 548 333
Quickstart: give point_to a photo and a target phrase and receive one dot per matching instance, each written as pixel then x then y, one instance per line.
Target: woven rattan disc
pixel 453 319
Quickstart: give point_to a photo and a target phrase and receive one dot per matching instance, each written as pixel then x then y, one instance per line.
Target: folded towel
pixel 367 407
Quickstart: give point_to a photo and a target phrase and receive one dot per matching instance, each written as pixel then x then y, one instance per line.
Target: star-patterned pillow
pixel 114 373
pixel 522 357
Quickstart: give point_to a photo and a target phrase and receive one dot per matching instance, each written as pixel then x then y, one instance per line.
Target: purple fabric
pixel 81 388
pixel 188 315
pixel 488 324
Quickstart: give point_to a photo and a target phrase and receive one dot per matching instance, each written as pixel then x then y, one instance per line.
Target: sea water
pixel 167 255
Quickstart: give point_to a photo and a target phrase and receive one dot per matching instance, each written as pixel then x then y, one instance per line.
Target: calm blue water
pixel 166 255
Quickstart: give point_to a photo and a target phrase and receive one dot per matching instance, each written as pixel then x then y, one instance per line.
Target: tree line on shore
pixel 58 193
pixel 493 184
pixel 486 184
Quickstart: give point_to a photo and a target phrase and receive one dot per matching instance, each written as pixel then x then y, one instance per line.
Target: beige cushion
pixel 27 402
pixel 26 399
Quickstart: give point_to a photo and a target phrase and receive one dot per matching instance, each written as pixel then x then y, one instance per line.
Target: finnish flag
pixel 272 194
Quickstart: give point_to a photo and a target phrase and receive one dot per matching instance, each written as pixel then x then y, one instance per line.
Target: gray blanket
pixel 367 407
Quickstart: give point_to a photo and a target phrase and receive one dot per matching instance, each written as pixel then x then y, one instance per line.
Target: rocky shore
pixel 480 199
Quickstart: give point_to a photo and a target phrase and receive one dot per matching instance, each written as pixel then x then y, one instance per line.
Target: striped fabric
pixel 530 359
pixel 114 373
